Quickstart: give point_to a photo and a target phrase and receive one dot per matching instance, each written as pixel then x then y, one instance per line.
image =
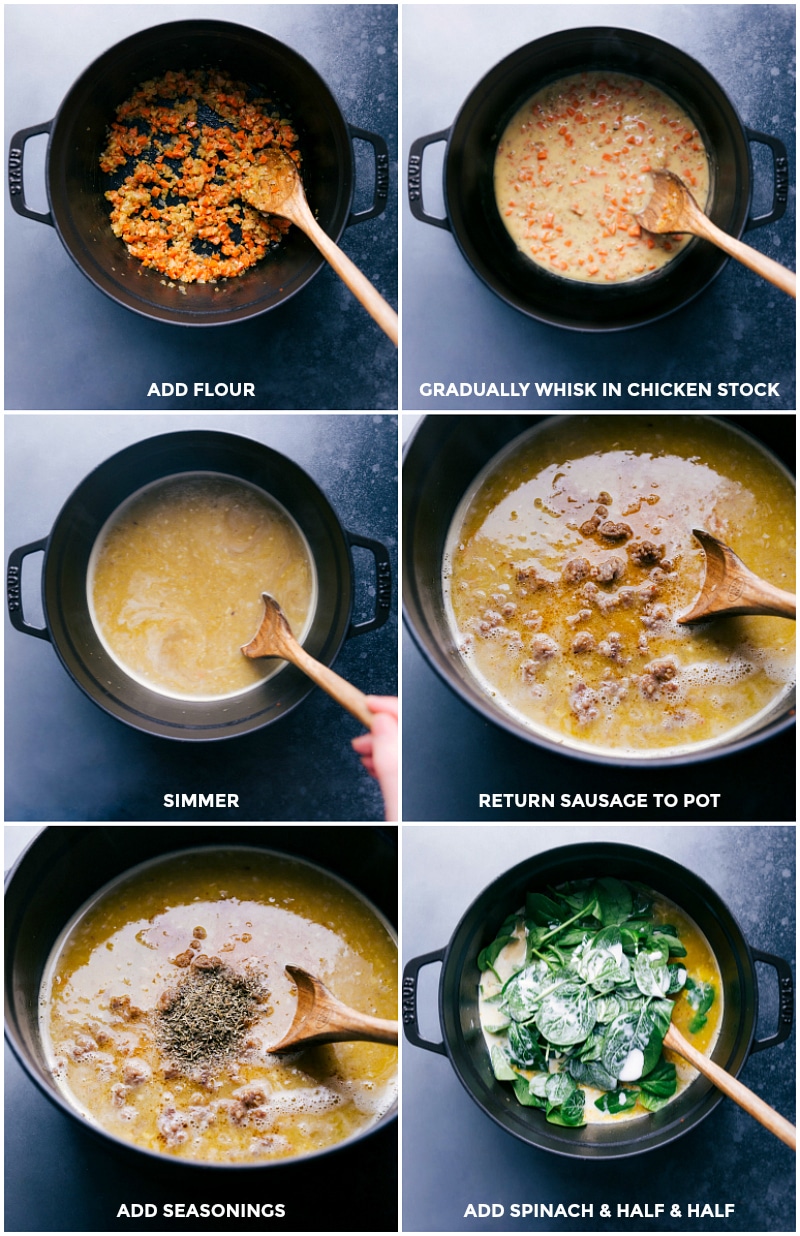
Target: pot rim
pixel 482 705
pixel 162 1160
pixel 616 855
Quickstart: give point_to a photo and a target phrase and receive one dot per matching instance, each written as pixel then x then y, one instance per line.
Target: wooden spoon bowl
pixel 673 209
pixel 274 187
pixel 274 638
pixel 321 1018
pixel 730 588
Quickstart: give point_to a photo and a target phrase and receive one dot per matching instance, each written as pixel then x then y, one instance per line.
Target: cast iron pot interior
pixel 475 221
pixel 75 184
pixel 63 867
pixel 458 998
pixel 442 458
pixel 67 551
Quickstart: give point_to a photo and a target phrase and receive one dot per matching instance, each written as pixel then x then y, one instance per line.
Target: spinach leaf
pixel 501 1067
pixel 651 975
pixel 614 900
pixel 661 1081
pixel 576 935
pixel 525 1096
pixel 488 956
pixel 544 911
pixel 600 961
pixel 641 1030
pixel 566 1015
pixel 700 996
pixel 620 1041
pixel 579 897
pixel 677 979
pixel 569 1113
pixel 642 900
pixel 592 1049
pixel 591 1073
pixel 559 1087
pixel 652 1102
pixel 607 1008
pixel 524 1048
pixel 523 990
pixel 616 1101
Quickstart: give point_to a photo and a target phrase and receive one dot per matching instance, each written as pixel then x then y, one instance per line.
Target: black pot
pixel 64 867
pixel 463 1042
pixel 75 185
pixel 473 218
pixel 442 459
pixel 68 623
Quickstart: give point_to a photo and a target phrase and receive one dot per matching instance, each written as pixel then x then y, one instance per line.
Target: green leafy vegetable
pixel 571 1112
pixel 700 997
pixel 617 1101
pixel 566 1015
pixel 589 1006
pixel 614 900
pixel 662 1080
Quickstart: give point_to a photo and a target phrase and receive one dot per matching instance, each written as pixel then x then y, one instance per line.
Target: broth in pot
pixel 572 170
pixel 570 558
pixel 162 996
pixel 175 582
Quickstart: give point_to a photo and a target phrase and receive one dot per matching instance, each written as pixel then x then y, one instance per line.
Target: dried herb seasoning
pixel 206 1016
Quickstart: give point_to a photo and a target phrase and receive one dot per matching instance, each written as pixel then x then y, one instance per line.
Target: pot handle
pixel 786 1000
pixel 780 177
pixel 410 1022
pixel 415 178
pixel 383 584
pixel 381 189
pixel 14 590
pixel 16 180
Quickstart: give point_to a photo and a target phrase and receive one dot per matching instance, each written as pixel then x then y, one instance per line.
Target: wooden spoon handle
pixel 772 271
pixel 761 1111
pixel 358 1027
pixel 765 598
pixel 348 272
pixel 338 688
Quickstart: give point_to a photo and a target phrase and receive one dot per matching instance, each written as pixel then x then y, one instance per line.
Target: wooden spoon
pixel 734 1089
pixel 673 209
pixel 275 188
pixel 729 588
pixel 274 638
pixel 321 1018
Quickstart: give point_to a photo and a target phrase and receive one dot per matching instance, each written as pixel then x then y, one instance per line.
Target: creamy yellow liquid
pixel 699 963
pixel 256 912
pixel 176 577
pixel 573 169
pixel 599 661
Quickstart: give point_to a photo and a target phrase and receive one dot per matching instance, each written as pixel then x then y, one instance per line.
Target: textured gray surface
pixel 456 329
pixel 453 1154
pixel 67 760
pixel 320 350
